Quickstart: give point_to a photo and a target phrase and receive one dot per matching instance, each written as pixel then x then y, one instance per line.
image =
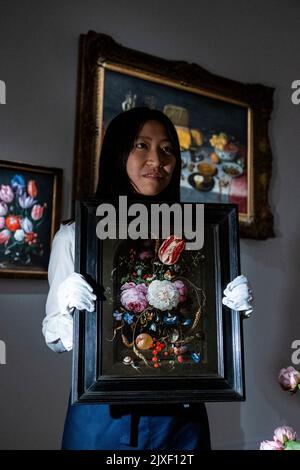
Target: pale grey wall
pixel 251 41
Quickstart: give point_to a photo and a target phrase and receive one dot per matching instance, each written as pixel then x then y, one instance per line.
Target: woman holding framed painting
pixel 140 158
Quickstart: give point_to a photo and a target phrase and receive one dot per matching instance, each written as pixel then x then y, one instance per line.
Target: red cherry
pixel 154 359
pixel 156 365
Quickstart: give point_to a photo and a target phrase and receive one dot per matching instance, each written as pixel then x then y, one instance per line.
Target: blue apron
pixel 136 427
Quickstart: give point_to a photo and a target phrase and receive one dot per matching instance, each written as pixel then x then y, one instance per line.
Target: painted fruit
pixel 144 341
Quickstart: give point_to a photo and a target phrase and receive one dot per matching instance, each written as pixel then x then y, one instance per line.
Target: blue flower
pixel 187 322
pixel 196 357
pixel 128 318
pixel 117 315
pixel 170 320
pixel 153 327
pixel 18 184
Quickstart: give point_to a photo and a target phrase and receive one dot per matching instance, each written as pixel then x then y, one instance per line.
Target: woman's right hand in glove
pixel 75 292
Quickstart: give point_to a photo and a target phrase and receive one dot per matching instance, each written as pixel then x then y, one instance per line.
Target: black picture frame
pixel 222 376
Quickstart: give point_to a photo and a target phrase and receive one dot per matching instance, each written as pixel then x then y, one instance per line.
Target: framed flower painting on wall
pixel 160 331
pixel 30 199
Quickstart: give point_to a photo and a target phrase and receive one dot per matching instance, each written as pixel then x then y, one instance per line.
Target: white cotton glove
pixel 75 292
pixel 238 296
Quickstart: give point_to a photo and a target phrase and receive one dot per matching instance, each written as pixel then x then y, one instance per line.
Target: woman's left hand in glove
pixel 238 296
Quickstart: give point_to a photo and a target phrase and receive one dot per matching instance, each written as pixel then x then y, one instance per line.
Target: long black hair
pixel 118 142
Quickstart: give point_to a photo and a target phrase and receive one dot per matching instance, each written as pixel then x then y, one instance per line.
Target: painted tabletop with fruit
pixel 214 169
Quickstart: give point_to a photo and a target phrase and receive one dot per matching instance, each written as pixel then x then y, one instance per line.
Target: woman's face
pixel 151 162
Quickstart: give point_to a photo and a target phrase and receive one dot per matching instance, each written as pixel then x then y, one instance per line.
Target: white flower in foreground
pixel 163 295
pixel 19 235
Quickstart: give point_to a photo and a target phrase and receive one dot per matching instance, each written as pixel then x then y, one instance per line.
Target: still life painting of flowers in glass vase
pixel 158 322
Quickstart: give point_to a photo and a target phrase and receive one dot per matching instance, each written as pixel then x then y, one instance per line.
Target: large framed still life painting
pixel 160 332
pixel 222 126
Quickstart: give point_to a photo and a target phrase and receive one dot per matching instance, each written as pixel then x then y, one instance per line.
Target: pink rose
pixel 37 212
pixel 6 193
pixel 289 379
pixel 271 445
pixel 4 236
pixel 284 433
pixel 2 222
pixel 133 297
pixel 128 285
pixel 182 289
pixel 142 288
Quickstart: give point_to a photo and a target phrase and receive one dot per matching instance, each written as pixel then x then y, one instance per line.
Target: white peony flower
pixel 163 295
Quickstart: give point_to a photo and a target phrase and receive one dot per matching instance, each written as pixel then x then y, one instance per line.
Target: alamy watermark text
pixel 296 354
pixel 2 352
pixel 295 97
pixel 2 92
pixel 137 221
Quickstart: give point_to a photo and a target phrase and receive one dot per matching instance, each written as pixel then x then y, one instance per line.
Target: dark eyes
pixel 140 145
pixel 167 149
